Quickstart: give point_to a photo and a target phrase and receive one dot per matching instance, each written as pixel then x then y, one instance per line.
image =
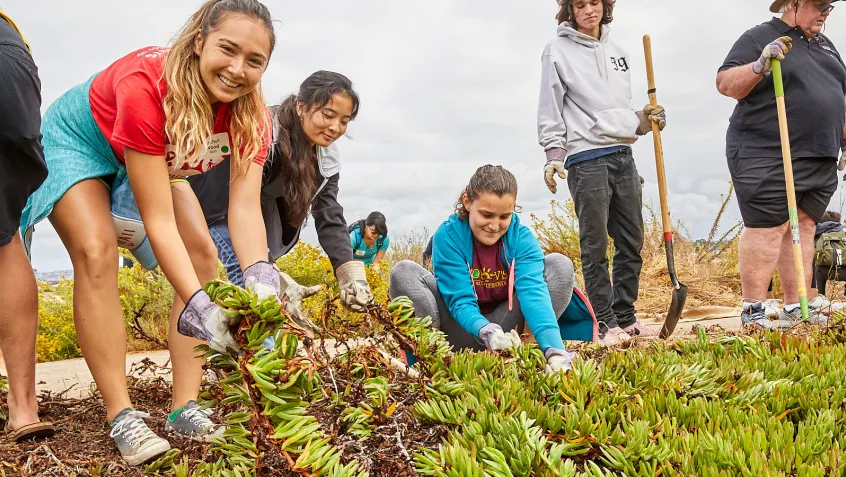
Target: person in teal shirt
pixel 369 238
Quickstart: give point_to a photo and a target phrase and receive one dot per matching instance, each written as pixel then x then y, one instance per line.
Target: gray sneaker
pixel 756 315
pixel 193 423
pixel 135 441
pixel 794 316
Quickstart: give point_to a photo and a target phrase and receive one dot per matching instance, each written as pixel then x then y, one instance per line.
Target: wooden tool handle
pixel 656 138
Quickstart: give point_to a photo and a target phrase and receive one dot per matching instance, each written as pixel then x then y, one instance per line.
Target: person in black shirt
pixel 22 170
pixel 815 94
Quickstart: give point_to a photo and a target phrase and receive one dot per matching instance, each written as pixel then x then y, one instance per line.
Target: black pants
pixel 607 194
pixel 22 166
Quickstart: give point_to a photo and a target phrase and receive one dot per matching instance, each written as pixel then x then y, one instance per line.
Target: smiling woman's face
pixel 489 216
pixel 233 57
pixel 323 125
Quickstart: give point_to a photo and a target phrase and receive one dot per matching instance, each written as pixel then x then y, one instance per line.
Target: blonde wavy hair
pixel 187 106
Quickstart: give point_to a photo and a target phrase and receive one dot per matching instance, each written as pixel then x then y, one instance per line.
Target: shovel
pixel 791 190
pixel 679 289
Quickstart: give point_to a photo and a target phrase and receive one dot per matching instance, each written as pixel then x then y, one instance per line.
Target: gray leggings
pixel 411 280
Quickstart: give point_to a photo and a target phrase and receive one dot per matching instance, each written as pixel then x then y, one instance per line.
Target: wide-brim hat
pixel 777 5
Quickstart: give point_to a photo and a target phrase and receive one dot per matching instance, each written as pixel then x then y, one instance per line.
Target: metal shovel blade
pixel 676 307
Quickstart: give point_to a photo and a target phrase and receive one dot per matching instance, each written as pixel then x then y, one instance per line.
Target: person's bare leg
pixel 83 220
pixel 18 328
pixel 786 265
pixel 758 252
pixel 188 369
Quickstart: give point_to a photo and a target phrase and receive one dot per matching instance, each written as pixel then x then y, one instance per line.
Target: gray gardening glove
pixel 842 164
pixel 647 116
pixel 293 294
pixel 263 279
pixel 204 320
pixel 554 165
pixel 355 291
pixel 775 50
pixel 497 340
pixel 558 360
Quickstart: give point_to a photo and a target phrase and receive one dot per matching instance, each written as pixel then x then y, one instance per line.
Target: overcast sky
pixel 445 86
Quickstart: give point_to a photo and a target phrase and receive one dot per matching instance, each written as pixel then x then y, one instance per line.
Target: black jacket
pixel 212 190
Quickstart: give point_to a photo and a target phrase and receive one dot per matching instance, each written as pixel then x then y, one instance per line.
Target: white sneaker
pixel 135 441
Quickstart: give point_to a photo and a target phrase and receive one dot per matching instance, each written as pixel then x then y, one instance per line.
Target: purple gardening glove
pixel 497 340
pixel 775 50
pixel 262 278
pixel 204 320
pixel 554 165
pixel 647 116
pixel 558 360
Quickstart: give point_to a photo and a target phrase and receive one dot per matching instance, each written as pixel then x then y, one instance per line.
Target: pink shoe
pixel 640 330
pixel 614 336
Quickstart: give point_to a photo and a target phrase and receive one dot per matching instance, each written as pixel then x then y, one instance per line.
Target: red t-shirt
pixel 127 102
pixel 490 276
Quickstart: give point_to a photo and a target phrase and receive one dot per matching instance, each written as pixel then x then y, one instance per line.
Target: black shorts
pixel 22 166
pixel 762 193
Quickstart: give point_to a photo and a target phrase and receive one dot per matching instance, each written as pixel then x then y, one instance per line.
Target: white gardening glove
pixel 558 360
pixel 497 340
pixel 293 294
pixel 647 116
pixel 554 165
pixel 204 320
pixel 263 279
pixel 355 291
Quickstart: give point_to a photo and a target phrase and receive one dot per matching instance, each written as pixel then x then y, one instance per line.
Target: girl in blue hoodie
pixel 490 275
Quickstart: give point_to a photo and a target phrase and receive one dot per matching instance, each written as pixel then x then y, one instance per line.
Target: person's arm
pixel 738 82
pixel 533 292
pixel 330 224
pixel 150 182
pixel 742 71
pixel 246 225
pixel 455 285
pixel 381 253
pixel 552 132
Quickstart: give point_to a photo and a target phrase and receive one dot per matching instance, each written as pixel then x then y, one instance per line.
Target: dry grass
pixel 409 246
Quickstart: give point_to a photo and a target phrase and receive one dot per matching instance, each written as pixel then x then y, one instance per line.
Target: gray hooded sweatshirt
pixel 585 94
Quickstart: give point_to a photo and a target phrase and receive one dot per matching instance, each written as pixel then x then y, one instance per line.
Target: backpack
pixel 356 225
pixel 830 249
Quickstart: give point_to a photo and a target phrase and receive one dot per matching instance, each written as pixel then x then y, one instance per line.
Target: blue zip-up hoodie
pixel 522 255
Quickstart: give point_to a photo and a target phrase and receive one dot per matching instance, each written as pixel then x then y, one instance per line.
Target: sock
pixel 748 304
pixel 791 307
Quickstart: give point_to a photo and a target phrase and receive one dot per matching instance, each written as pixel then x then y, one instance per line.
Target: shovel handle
pixel 656 138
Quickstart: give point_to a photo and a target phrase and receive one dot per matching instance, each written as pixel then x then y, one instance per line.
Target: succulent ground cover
pixel 756 404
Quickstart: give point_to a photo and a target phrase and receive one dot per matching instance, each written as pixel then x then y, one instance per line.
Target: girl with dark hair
pixel 118 148
pixel 490 275
pixel 369 238
pixel 586 126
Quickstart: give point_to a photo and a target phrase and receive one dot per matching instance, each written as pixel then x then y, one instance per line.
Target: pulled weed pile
pixel 751 404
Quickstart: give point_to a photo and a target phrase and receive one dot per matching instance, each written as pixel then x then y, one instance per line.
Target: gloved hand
pixel 647 116
pixel 293 294
pixel 497 340
pixel 204 320
pixel 263 279
pixel 775 50
pixel 355 291
pixel 554 165
pixel 558 360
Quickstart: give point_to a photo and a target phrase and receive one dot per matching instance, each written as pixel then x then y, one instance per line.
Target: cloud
pixel 446 86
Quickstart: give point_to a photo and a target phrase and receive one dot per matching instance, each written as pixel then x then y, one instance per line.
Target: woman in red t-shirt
pixel 155 116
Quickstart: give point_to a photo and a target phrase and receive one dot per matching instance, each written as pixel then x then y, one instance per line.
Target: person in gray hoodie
pixel 586 125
